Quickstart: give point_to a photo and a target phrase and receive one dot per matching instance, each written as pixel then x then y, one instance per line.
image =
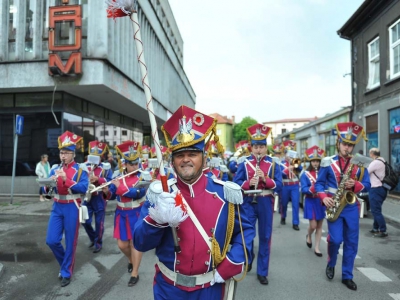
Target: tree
pixel 239 130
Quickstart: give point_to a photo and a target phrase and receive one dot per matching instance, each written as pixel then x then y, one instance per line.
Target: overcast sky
pixel 268 59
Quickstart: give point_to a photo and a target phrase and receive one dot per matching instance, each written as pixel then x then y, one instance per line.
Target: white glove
pixel 165 210
pixel 217 279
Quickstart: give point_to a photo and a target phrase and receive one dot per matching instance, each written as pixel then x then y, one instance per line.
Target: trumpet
pixel 295 162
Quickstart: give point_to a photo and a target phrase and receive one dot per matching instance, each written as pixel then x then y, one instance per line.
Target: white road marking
pixel 374 275
pixel 340 250
pixel 395 296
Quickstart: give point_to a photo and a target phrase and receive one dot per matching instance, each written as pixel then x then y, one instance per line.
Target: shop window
pixel 371 129
pixel 394 136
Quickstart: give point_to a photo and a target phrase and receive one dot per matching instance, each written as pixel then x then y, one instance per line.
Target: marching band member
pixel 214 162
pixel 210 220
pixel 290 191
pixel 242 150
pixel 168 170
pixel 260 172
pixel 71 182
pixel 346 227
pixel 130 198
pixel 98 175
pixel 313 209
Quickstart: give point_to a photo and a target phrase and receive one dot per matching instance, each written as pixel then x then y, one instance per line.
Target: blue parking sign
pixel 19 125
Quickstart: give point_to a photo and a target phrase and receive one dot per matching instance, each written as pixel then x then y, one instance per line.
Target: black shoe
pixel 65 281
pixel 374 231
pixel 330 272
pixel 91 245
pixel 133 280
pixel 59 276
pixel 249 267
pixel 309 245
pixel 319 254
pixel 262 279
pixel 97 250
pixel 296 227
pixel 130 268
pixel 381 234
pixel 350 284
pixel 283 222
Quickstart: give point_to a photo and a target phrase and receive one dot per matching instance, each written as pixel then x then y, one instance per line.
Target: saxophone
pixel 341 198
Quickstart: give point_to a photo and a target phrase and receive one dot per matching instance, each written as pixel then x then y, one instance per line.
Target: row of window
pixel 394 56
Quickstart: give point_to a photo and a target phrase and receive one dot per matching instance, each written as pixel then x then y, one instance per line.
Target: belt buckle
pixel 188 281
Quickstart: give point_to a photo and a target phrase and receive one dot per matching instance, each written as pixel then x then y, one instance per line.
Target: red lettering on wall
pixel 75 59
pixel 65 14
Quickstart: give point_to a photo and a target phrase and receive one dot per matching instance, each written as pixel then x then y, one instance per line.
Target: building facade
pixel 320 132
pixel 374 35
pixel 286 125
pixel 65 66
pixel 225 131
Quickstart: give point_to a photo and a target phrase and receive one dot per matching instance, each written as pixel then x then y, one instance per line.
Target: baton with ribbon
pixel 123 8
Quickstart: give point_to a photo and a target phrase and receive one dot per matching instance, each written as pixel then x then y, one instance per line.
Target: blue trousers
pixel 344 229
pixel 376 197
pixel 64 218
pixel 97 207
pixel 291 192
pixel 264 212
pixel 164 291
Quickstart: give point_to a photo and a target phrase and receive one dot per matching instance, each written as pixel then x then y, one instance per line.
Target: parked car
pixel 21 168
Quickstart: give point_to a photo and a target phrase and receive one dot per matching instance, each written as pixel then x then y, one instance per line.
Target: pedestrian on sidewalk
pixel 42 171
pixel 377 193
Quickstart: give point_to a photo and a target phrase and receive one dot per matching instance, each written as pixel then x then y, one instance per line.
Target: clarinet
pixel 50 192
pixel 258 157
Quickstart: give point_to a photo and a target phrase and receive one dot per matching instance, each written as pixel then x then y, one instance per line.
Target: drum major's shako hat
pixel 130 151
pixel 68 141
pixel 258 134
pixel 350 132
pixel 97 148
pixel 187 129
pixel 314 153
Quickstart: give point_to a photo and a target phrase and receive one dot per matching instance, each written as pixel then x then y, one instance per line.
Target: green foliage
pixel 239 130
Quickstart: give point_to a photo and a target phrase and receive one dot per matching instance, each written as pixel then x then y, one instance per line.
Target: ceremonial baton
pixel 118 8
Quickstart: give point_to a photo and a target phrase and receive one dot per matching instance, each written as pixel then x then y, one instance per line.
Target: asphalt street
pixel 29 270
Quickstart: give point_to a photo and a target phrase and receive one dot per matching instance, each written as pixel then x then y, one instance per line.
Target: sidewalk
pixel 31 206
pixel 391 209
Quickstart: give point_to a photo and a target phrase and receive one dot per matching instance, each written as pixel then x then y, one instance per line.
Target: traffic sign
pixel 19 125
pixel 334 132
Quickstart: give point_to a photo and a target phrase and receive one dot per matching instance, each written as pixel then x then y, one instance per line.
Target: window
pixel 394 137
pixel 124 132
pixel 283 130
pixel 330 144
pixel 394 49
pixel 218 131
pixel 371 130
pixel 373 64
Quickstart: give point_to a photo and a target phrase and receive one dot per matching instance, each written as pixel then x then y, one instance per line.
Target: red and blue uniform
pixel 97 206
pixel 346 228
pixel 130 199
pixel 290 192
pixel 64 216
pixel 263 210
pixel 313 209
pixel 207 201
